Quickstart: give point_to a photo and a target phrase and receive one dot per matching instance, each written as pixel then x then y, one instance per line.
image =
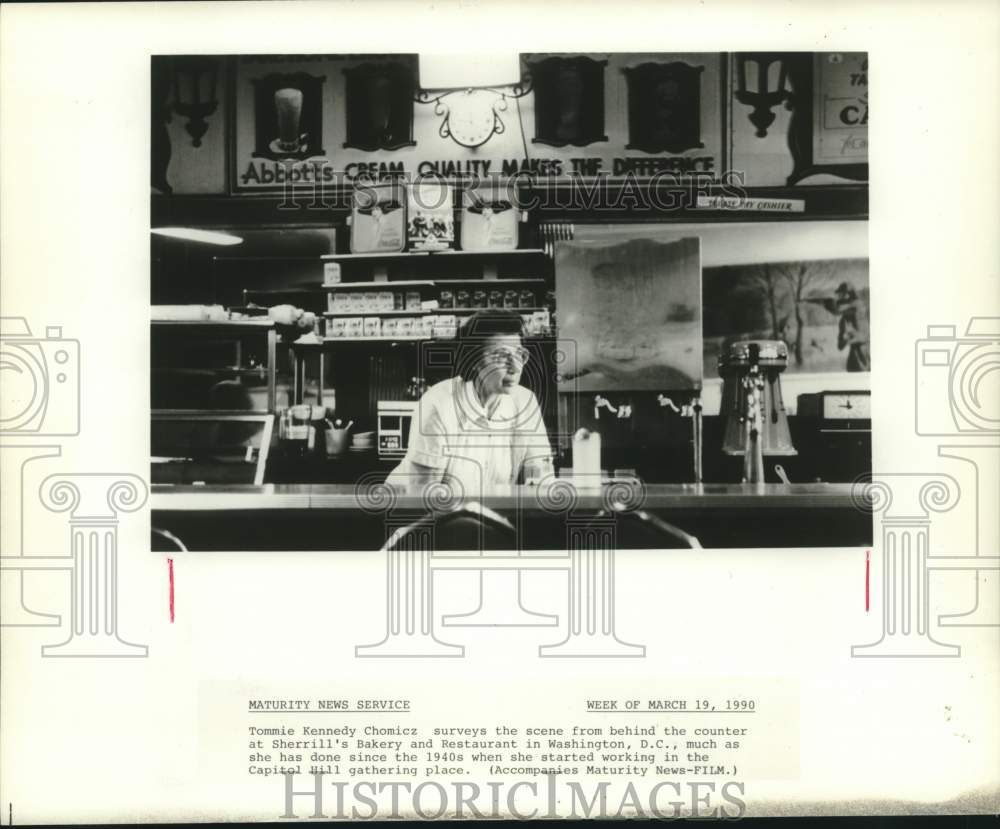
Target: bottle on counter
pixel 293 430
pixel 301 430
pixel 587 455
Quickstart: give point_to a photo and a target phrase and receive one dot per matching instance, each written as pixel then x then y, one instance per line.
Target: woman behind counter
pixel 481 428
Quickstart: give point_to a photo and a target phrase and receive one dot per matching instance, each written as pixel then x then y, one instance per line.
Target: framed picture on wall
pixel 664 107
pixel 379 106
pixel 569 100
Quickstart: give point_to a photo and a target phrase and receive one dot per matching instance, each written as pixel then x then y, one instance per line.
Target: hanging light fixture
pixel 470 92
pixel 193 234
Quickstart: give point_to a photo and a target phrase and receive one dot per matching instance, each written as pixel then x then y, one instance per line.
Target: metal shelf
pixel 267 327
pixel 500 280
pixel 406 254
pixel 252 323
pixel 414 312
pixel 401 283
pixel 380 339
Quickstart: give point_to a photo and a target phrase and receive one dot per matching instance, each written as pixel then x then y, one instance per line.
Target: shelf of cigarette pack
pixel 429 283
pixel 501 280
pixel 399 283
pixel 395 339
pixel 420 312
pixel 379 339
pixel 409 254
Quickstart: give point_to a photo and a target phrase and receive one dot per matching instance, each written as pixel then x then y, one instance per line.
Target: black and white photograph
pixel 660 305
pixel 424 410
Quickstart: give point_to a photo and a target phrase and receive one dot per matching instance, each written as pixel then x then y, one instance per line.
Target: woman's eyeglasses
pixel 506 356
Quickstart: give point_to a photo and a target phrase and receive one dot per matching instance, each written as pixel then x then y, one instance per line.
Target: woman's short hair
pixel 477 329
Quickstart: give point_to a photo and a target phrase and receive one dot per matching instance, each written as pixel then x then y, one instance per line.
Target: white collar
pixel 471 409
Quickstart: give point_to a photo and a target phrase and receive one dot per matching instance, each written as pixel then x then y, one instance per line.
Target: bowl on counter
pixel 362 441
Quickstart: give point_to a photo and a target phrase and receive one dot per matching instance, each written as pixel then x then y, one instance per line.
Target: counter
pixel 330 516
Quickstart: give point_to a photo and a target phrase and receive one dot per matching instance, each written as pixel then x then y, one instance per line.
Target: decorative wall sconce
pixel 195 98
pixel 753 76
pixel 469 94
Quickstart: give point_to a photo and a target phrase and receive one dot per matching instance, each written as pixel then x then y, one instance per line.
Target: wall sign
pixel 752 205
pixel 840 111
pixel 328 120
pixel 288 116
pixel 828 130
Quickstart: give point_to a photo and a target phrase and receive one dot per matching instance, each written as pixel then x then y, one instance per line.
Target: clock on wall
pixel 471 117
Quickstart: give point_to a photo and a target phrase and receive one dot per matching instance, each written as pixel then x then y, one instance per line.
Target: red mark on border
pixel 868 576
pixel 170 572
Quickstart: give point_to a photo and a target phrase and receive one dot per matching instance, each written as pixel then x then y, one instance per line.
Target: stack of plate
pixel 362 442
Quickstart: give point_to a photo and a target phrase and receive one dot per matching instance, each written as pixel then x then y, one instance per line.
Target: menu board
pixel 633 311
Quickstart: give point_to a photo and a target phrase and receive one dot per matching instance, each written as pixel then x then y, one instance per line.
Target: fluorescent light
pixel 466 71
pixel 192 234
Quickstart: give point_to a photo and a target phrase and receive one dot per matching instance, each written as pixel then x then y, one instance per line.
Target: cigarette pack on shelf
pixel 445 327
pixel 339 303
pixel 378 218
pixel 424 326
pixel 372 327
pixel 430 216
pixel 337 327
pixel 489 218
pixel 541 323
pixel 536 324
pixel 354 327
pixel 331 273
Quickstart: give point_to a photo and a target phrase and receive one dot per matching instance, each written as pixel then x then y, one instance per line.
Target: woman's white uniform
pixel 476 450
